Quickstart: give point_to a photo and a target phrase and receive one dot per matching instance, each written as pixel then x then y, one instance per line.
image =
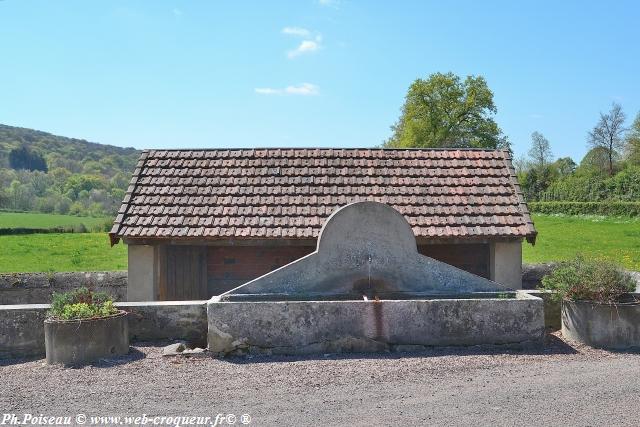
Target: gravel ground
pixel 562 384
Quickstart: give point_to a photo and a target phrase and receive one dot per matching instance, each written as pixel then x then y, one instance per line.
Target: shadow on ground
pixel 133 355
pixel 553 345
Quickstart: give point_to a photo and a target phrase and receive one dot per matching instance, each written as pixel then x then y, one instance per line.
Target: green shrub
pixel 81 304
pixel 629 209
pixel 593 187
pixel 582 279
pixel 578 188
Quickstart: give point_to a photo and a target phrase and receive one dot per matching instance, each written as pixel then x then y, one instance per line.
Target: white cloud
pixel 268 91
pixel 311 41
pixel 306 46
pixel 177 12
pixel 296 31
pixel 304 89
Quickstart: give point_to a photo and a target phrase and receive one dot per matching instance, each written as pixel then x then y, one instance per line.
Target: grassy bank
pixel 560 237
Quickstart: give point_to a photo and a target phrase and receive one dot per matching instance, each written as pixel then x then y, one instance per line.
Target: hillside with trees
pixel 54 174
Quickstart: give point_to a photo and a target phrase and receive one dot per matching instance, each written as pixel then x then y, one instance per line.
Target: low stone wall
pixel 532 274
pixel 167 320
pixel 552 309
pixel 22 326
pixel 37 288
pixel 22 330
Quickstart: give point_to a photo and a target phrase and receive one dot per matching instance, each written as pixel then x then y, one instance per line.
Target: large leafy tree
pixel 445 111
pixel 608 134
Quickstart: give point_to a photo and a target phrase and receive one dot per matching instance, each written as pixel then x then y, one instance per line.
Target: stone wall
pixel 22 330
pixel 37 288
pixel 167 320
pixel 22 326
pixel 532 274
pixel 552 309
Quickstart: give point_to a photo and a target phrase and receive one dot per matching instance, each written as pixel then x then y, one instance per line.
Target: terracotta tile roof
pixel 288 193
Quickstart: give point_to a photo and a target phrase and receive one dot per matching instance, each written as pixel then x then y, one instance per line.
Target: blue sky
pixel 309 72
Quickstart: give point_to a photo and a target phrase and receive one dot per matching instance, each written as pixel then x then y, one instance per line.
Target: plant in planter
pixel 599 307
pixel 83 326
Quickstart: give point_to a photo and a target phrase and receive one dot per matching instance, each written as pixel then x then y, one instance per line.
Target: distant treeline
pixel 608 173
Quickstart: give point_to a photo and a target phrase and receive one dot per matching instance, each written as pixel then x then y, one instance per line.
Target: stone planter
pixel 610 326
pixel 72 342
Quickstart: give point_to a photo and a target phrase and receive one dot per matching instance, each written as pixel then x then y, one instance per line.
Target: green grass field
pixel 559 238
pixel 562 237
pixel 60 252
pixel 42 220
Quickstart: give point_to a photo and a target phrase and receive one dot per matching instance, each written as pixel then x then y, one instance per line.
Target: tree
pixel 633 142
pixel 595 161
pixel 20 196
pixel 76 184
pixel 565 166
pixel 444 111
pixel 608 133
pixel 60 176
pixel 40 182
pixel 536 181
pixel 23 158
pixel 521 164
pixel 540 152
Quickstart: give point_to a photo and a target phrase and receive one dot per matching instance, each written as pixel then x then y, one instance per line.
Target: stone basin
pixel 366 288
pixel 303 327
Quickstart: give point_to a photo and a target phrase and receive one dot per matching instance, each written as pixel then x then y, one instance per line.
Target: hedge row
pixel 587 208
pixel 80 228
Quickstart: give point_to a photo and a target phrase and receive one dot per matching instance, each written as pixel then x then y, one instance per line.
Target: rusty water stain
pixel 370 286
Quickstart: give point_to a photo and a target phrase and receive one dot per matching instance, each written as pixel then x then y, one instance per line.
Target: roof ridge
pixel 124 208
pixel 330 148
pixel 531 237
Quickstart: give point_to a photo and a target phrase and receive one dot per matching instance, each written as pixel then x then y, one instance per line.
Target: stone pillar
pixel 142 280
pixel 506 263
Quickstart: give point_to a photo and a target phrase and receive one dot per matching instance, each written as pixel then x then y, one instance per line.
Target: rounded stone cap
pixel 366 225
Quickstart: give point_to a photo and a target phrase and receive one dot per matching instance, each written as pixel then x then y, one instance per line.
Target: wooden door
pixel 183 273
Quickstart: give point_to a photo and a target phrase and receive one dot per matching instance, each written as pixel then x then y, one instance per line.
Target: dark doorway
pixel 183 274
